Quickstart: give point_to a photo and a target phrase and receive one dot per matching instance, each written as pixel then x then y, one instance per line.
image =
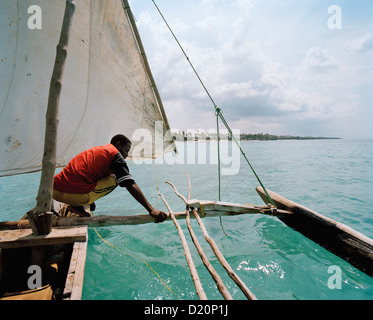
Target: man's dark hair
pixel 123 140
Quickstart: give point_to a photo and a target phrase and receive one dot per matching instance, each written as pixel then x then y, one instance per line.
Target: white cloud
pixel 316 88
pixel 362 44
pixel 257 67
pixel 319 61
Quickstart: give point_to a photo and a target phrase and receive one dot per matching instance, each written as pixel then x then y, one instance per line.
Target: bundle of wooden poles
pixel 196 280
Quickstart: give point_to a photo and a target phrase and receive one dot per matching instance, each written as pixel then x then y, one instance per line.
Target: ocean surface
pixel 145 262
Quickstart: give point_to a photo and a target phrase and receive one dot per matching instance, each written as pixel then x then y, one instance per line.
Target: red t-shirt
pixel 82 173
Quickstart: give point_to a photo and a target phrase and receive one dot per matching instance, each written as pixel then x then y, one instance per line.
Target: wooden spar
pixel 345 242
pixel 228 207
pixel 246 291
pixel 97 221
pixel 234 208
pixel 41 216
pixel 197 282
pixel 219 282
pixel 189 187
pixel 146 65
pixel 109 220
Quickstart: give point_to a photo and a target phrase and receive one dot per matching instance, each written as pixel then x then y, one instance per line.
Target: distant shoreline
pixel 271 137
pixel 247 137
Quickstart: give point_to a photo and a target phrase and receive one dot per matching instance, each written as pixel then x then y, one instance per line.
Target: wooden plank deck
pixel 75 275
pixel 24 238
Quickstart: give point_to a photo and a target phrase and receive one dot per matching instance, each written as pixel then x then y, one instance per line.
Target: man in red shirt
pixel 96 172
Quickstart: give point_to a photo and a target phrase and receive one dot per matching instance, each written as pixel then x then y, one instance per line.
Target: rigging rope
pixel 218 113
pixel 219 169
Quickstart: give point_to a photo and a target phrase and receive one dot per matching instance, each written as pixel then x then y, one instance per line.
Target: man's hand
pixel 136 192
pixel 159 216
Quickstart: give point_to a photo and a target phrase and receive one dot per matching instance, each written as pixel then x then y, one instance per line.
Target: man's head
pixel 122 143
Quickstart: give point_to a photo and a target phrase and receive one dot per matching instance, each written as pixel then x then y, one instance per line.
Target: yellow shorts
pixel 103 187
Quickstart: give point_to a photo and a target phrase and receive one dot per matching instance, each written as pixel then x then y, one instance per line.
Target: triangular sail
pixel 106 88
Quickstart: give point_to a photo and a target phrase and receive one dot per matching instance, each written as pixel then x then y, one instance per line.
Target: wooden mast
pixel 41 216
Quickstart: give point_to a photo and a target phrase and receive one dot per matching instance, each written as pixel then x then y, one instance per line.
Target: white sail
pixel 106 87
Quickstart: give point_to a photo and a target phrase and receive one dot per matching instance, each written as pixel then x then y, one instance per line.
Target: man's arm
pixel 136 192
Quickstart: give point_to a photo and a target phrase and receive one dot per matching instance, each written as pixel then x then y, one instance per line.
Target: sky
pixel 290 67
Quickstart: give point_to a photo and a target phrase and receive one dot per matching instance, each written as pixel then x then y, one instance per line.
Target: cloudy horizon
pixel 287 68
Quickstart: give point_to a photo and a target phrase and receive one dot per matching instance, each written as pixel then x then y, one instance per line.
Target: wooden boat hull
pixel 343 241
pixel 60 255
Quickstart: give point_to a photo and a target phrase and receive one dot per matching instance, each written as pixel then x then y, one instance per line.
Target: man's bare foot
pixel 79 211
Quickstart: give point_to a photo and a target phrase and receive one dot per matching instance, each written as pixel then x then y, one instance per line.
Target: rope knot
pixel 218 111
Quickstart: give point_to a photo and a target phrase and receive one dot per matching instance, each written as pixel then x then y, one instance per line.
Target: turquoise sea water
pixel 332 177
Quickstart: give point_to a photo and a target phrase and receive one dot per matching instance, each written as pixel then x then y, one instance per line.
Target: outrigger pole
pixel 245 290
